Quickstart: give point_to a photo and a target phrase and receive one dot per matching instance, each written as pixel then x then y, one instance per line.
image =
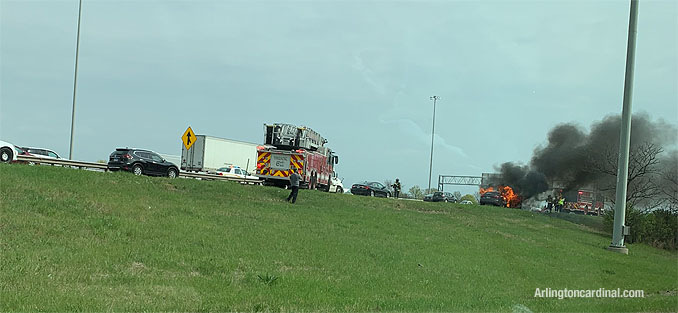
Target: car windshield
pixel 224 169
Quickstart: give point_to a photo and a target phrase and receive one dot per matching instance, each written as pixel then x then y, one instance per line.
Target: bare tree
pixel 416 192
pixel 389 185
pixel 643 179
pixel 669 181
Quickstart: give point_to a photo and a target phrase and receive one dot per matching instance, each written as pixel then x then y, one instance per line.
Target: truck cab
pixel 335 184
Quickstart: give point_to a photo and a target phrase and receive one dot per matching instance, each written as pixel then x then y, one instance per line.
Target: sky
pixel 361 73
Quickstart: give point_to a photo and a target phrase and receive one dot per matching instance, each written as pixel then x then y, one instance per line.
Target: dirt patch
pixel 137 267
pixel 668 293
pixel 505 235
pixel 171 187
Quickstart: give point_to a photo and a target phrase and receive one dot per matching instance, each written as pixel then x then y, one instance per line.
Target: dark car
pixel 440 196
pixel 140 161
pixel 372 189
pixel 493 198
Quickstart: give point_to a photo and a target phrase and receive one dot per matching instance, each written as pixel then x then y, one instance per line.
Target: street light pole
pixel 75 80
pixel 433 129
pixel 625 138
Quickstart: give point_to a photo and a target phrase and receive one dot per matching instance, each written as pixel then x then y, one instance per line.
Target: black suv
pixel 139 161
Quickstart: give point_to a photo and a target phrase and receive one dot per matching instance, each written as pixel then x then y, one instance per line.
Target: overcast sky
pixel 358 72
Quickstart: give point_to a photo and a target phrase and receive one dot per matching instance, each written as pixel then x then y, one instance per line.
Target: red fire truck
pixel 582 202
pixel 290 147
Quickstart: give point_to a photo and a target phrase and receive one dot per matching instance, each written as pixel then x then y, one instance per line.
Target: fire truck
pixel 582 202
pixel 288 147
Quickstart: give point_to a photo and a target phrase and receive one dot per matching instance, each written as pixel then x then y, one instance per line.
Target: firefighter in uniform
pixel 396 188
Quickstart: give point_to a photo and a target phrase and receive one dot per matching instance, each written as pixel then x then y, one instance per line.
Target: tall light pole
pixel 625 138
pixel 75 80
pixel 433 129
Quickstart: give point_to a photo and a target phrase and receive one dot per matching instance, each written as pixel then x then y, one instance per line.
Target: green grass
pixel 74 240
pixel 594 223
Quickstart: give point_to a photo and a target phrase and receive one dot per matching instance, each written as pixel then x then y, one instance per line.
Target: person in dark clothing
pixel 549 203
pixel 294 185
pixel 396 188
pixel 314 180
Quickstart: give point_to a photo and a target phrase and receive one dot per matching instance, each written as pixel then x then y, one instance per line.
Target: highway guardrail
pixel 102 166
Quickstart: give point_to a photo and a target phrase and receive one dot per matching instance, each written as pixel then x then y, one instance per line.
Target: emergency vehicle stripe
pixel 263 155
pixel 297 161
pixel 280 173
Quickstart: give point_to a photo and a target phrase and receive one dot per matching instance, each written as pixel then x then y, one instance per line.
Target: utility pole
pixel 75 81
pixel 433 129
pixel 625 139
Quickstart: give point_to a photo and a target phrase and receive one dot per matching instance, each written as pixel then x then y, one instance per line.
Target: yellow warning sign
pixel 188 138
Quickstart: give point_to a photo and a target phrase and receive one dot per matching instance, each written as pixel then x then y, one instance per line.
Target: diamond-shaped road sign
pixel 188 138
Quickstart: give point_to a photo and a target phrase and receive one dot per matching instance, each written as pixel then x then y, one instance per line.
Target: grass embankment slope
pixel 78 240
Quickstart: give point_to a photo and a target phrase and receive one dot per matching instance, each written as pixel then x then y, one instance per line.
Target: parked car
pixel 440 196
pixel 8 152
pixel 466 202
pixel 372 189
pixel 493 198
pixel 141 161
pixel 234 171
pixel 41 152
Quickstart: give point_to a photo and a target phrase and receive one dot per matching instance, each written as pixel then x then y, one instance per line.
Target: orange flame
pixel 483 191
pixel 511 198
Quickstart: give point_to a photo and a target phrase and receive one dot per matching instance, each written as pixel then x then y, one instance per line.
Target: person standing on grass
pixel 294 184
pixel 396 188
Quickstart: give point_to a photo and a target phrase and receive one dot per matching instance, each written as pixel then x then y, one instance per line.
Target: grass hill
pixel 73 240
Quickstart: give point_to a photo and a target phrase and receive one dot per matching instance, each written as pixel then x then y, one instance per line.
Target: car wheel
pixel 6 155
pixel 137 169
pixel 339 190
pixel 172 173
pixel 371 193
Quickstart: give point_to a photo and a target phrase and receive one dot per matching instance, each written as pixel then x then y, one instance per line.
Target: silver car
pixel 41 152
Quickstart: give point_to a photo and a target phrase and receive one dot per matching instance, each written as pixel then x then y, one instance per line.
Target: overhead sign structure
pixel 188 138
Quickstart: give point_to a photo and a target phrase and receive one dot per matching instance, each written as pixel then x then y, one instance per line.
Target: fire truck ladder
pixel 458 180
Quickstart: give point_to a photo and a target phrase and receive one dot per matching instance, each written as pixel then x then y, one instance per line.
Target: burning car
pixel 493 198
pixel 503 196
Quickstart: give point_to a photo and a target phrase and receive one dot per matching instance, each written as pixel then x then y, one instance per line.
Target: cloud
pixel 413 130
pixel 367 73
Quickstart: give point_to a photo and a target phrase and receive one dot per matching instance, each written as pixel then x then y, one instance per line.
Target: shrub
pixel 658 228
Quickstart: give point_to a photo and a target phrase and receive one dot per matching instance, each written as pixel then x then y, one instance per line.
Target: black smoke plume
pixel 570 153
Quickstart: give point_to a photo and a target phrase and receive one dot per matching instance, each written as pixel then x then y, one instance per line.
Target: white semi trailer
pixel 210 153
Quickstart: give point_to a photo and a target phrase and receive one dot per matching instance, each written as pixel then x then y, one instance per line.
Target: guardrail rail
pixel 102 166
